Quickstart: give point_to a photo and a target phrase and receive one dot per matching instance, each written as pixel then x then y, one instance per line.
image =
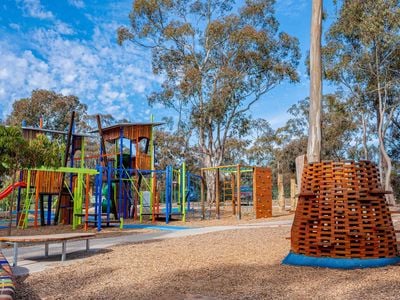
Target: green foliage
pixel 44 153
pixel 262 149
pixel 55 109
pixel 338 128
pixel 173 150
pixel 216 61
pixel 362 57
pixel 13 150
pixel 16 153
pixel 363 49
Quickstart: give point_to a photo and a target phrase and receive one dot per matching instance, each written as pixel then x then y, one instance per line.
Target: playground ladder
pixel 23 218
pixel 228 193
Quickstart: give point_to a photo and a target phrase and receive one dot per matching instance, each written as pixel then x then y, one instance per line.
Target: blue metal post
pixel 71 163
pixel 99 196
pixel 109 187
pixel 49 200
pixel 168 193
pixel 130 154
pixel 130 184
pixel 188 191
pixel 19 198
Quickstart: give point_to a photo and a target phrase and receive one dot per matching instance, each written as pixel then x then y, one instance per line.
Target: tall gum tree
pixel 314 131
pixel 216 60
pixel 54 108
pixel 362 55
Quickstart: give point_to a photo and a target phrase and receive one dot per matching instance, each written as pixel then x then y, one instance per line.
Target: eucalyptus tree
pixel 314 130
pixel 363 56
pixel 55 109
pixel 215 59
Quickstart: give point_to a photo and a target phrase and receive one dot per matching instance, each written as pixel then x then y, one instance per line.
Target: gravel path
pixel 235 264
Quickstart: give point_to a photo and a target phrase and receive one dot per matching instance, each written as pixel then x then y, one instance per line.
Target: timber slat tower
pixel 140 157
pixel 342 219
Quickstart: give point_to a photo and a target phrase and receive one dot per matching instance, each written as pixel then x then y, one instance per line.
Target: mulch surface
pixel 235 264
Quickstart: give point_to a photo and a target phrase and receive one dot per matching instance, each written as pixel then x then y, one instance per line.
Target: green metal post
pixel 27 201
pixel 75 196
pixel 179 185
pixel 81 182
pixel 183 192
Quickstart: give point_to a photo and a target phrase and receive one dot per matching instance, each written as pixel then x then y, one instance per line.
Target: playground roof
pixel 119 125
pixel 55 131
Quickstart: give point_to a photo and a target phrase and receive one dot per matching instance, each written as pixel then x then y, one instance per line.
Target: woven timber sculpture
pixel 342 213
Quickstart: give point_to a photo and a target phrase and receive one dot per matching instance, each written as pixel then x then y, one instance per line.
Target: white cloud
pixel 77 3
pixel 14 26
pixel 20 74
pixel 63 28
pixel 35 9
pixel 107 77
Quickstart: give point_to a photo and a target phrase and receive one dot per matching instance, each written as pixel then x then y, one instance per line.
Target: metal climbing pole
pixel 168 192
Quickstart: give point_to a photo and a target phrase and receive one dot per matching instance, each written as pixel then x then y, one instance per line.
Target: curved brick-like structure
pixel 342 213
pixel 7 287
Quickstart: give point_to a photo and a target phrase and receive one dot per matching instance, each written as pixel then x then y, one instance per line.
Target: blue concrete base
pixel 338 263
pixel 157 227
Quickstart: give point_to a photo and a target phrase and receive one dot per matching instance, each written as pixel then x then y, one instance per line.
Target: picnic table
pixel 47 239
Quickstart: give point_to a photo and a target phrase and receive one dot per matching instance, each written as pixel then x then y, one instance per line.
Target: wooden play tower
pixel 127 168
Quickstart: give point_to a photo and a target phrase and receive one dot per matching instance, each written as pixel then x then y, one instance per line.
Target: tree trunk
pixel 385 163
pixel 301 160
pixel 314 132
pixel 210 183
pixel 281 194
pixel 293 197
pixel 364 137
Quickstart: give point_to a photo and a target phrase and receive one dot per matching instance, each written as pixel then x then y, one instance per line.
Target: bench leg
pixel 64 251
pixel 87 245
pixel 46 249
pixel 15 260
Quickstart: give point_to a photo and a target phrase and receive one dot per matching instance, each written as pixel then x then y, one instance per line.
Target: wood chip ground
pixel 236 264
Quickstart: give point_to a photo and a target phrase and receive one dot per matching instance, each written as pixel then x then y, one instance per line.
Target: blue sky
pixel 69 46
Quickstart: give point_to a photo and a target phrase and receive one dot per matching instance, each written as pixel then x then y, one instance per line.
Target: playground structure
pixel 124 184
pixel 70 184
pixel 240 185
pixel 129 186
pixel 342 219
